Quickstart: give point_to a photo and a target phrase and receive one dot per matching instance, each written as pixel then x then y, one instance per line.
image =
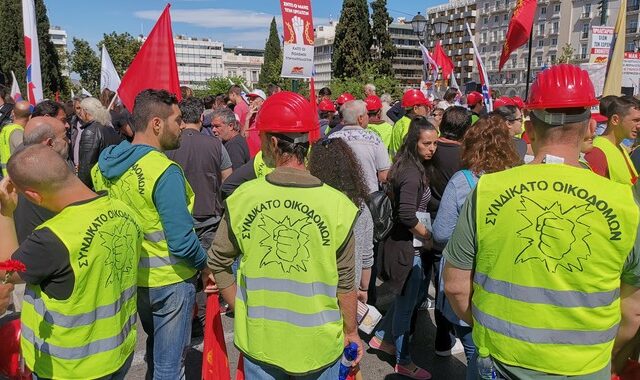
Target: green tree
pixel 384 83
pixel 351 48
pixel 272 66
pixel 566 54
pixel 86 63
pixel 122 48
pixel 12 52
pixel 217 86
pixel 383 48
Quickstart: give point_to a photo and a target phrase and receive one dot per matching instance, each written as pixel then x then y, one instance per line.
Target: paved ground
pixel 374 366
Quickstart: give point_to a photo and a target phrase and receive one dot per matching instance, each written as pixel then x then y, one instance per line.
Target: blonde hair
pixel 98 112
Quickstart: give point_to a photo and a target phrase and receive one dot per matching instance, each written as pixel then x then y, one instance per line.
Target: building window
pixel 495 19
pixel 539 60
pixel 552 58
pixel 543 10
pixel 494 48
pixel 486 7
pixel 484 49
pixel 631 46
pixel 540 43
pixel 485 20
pixel 497 3
pixel 506 17
pixel 556 8
pixel 555 27
pixel 554 42
pixel 585 30
pixel 583 51
pixel 513 62
pixel 541 29
pixel 586 11
pixel 484 37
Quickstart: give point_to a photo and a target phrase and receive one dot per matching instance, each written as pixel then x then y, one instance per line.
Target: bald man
pixel 79 312
pixel 11 134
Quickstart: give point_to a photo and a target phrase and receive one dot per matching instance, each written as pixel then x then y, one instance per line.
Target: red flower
pixel 13 266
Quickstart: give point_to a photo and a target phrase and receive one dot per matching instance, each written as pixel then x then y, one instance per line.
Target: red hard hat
pixel 286 112
pixel 503 101
pixel 346 97
pixel 373 103
pixel 326 105
pixel 414 97
pixel 518 102
pixel 562 86
pixel 473 98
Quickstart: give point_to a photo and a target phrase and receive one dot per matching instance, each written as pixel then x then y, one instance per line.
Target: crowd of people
pixel 523 220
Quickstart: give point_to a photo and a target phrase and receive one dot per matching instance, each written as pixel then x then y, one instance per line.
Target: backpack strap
pixel 470 179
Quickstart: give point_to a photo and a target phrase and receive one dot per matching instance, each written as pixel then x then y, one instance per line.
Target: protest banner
pixel 297 23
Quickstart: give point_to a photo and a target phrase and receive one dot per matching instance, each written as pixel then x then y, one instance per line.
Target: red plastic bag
pixel 215 362
pixel 10 358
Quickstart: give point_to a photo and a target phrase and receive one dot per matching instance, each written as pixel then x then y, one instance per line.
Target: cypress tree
pixel 12 53
pixel 384 50
pixel 272 66
pixel 351 48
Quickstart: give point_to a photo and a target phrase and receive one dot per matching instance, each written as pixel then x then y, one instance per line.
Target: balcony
pixel 584 15
pixel 584 35
pixel 632 29
pixel 553 32
pixel 633 7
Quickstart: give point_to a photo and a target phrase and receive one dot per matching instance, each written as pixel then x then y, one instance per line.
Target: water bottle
pixel 486 368
pixel 348 356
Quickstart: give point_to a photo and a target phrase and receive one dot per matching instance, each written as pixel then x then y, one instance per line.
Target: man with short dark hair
pixel 608 158
pixel 140 174
pixel 51 109
pixel 227 129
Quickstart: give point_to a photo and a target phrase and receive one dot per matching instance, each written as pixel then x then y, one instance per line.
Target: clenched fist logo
pixel 298 29
pixel 556 234
pixel 287 243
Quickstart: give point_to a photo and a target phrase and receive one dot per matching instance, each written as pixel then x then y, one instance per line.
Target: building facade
pixel 455 40
pixel 556 24
pixel 243 62
pixel 323 49
pixel 407 63
pixel 199 59
pixel 58 37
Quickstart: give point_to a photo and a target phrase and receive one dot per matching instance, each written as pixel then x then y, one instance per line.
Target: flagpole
pixel 113 101
pixel 526 96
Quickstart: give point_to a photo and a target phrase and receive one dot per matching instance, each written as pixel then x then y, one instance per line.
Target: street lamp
pixel 440 27
pixel 419 25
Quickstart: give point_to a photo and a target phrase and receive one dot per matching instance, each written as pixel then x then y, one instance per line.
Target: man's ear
pixel 33 197
pixel 156 125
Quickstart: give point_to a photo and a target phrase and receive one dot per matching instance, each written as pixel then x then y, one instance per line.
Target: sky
pixel 236 23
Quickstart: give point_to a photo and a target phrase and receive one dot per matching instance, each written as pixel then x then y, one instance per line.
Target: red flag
pixel 154 66
pixel 240 370
pixel 519 28
pixel 315 134
pixel 215 363
pixel 442 60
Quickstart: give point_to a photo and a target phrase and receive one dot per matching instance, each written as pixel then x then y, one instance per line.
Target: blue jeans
pixel 464 334
pixel 258 370
pixel 166 313
pixel 397 320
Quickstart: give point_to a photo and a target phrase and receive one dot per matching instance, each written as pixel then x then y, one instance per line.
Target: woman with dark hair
pixel 334 163
pixel 513 117
pixel 402 262
pixel 486 148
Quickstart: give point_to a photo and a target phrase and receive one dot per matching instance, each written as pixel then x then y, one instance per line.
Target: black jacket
pixel 94 139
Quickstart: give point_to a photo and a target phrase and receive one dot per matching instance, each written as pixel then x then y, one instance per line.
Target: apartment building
pixel 455 39
pixel 199 59
pixel 58 37
pixel 323 50
pixel 243 62
pixel 407 63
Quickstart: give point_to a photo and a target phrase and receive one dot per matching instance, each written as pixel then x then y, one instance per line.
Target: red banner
pixel 297 23
pixel 215 363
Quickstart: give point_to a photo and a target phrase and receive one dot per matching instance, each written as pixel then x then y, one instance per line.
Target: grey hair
pixel 369 87
pixel 39 135
pixel 93 107
pixel 227 116
pixel 352 110
pixel 386 98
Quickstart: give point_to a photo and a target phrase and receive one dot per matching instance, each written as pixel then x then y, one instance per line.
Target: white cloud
pixel 213 17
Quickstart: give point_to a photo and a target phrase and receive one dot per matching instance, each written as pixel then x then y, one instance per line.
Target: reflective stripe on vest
pixel 619 164
pixel 91 332
pixel 157 266
pixel 70 321
pixel 530 294
pixel 543 336
pixel 288 279
pixel 552 241
pixel 81 352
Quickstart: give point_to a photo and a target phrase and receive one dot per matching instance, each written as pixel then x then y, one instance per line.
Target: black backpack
pixel 382 213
